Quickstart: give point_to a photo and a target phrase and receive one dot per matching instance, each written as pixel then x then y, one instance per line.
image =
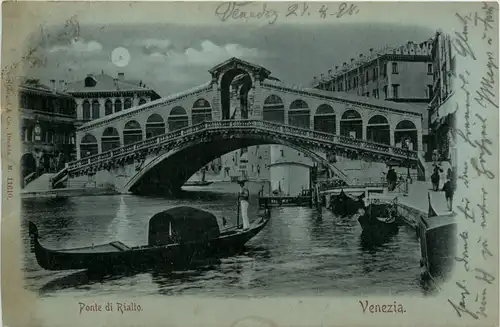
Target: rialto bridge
pixel 160 144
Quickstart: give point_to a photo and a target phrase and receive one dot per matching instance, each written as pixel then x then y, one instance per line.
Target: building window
pixel 385 92
pixel 395 89
pixel 375 73
pixel 95 109
pixel 395 68
pixel 429 69
pixel 86 109
pixel 108 107
pixel 367 77
pixel 385 69
pixel 375 93
pixel 118 105
pixel 142 101
pixel 282 153
pixel 128 103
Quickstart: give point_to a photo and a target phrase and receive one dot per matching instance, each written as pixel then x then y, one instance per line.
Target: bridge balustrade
pixel 231 124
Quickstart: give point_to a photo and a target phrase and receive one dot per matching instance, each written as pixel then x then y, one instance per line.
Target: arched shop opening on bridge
pixel 351 124
pixel 177 119
pixel 132 132
pixel 88 146
pixel 324 119
pixel 406 130
pixel 378 130
pixel 155 125
pixel 274 109
pixel 110 139
pixel 202 111
pixel 299 114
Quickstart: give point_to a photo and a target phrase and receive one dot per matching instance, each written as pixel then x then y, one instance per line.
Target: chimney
pixel 352 60
pixel 61 84
pixel 336 68
pixel 121 76
pixel 140 83
pixel 371 51
pixel 344 64
pixel 53 84
pixel 361 56
pixel 315 79
pixel 322 76
pixel 330 71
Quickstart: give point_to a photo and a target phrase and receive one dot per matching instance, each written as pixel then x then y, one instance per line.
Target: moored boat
pixel 437 234
pixel 345 205
pixel 379 219
pixel 178 237
pixel 198 183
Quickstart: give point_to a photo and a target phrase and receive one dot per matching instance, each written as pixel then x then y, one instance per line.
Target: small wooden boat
pixel 379 219
pixel 438 236
pixel 345 205
pixel 178 237
pixel 198 183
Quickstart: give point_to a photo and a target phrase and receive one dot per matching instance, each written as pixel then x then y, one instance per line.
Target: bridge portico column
pixel 79 108
pixel 391 136
pixel 101 106
pixel 216 105
pixel 420 145
pixel 364 127
pixel 337 125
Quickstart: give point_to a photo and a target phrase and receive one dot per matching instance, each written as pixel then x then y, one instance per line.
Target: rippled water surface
pixel 298 253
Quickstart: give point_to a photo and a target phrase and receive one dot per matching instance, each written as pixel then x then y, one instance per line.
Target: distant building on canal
pixel 101 95
pixel 47 128
pixel 399 74
pixel 289 170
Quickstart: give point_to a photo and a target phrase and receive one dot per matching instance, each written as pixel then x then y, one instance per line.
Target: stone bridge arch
pixel 164 169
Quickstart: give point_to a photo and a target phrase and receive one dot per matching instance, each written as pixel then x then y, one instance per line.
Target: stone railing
pixel 249 126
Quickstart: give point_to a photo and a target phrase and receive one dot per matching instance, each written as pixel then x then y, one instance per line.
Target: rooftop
pixel 35 86
pixel 105 83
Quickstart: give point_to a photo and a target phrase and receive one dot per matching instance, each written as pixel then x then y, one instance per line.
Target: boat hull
pixel 375 229
pixel 168 256
pixel 344 205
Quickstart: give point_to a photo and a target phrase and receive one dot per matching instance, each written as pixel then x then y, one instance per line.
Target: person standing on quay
pixel 449 190
pixel 244 196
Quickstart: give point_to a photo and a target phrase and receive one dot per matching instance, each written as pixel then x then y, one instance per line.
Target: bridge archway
pixel 378 130
pixel 274 109
pixel 155 125
pixel 406 130
pixel 226 84
pixel 299 114
pixel 324 119
pixel 132 132
pixel 201 111
pixel 351 124
pixel 88 146
pixel 110 139
pixel 177 119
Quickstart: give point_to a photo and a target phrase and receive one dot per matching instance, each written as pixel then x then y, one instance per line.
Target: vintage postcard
pixel 225 164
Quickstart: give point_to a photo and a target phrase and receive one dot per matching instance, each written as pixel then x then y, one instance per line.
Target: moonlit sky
pixel 172 58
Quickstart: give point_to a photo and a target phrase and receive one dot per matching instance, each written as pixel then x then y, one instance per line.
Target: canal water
pixel 298 253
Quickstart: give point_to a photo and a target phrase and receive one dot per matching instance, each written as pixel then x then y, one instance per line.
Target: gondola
pixel 345 205
pixel 178 238
pixel 379 220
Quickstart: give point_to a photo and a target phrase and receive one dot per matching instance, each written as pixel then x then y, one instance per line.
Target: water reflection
pixel 300 252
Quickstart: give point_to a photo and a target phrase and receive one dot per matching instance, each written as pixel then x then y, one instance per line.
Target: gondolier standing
pixel 243 197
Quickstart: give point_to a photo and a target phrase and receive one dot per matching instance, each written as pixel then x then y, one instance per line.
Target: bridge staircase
pixel 268 131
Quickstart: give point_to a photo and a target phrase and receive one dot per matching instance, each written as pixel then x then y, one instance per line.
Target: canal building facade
pixel 441 109
pixel 48 118
pixel 289 170
pixel 398 74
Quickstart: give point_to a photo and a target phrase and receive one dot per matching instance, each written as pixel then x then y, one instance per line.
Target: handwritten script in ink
pixel 269 12
pixel 477 102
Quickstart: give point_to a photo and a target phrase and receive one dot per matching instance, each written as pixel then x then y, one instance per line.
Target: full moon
pixel 120 57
